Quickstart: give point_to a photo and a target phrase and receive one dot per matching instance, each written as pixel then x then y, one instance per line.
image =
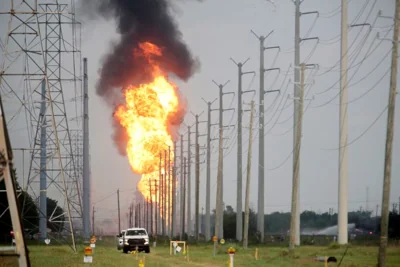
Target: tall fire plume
pixel 145 116
pixel 135 79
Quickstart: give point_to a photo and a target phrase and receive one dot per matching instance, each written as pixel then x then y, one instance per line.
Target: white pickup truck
pixel 136 239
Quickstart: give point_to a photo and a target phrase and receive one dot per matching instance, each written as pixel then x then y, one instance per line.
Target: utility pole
pixel 296 169
pixel 239 192
pixel 147 207
pixel 159 193
pixel 297 93
pixel 189 186
pixel 156 183
pixel 173 227
pixel 86 170
pixel 131 215
pixel 151 207
pixel 119 213
pixel 93 221
pixel 140 216
pixel 247 200
pixel 182 199
pixel 208 172
pixel 219 210
pixel 169 202
pixel 197 189
pixel 261 143
pixel 296 211
pixel 343 133
pixel 197 175
pixel 184 193
pixel 43 169
pixel 164 210
pixel 389 142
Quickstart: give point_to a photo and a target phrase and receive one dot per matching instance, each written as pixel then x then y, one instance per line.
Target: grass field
pixel 106 254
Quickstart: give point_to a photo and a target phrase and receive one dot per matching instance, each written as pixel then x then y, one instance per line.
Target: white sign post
pixel 87 259
pixel 231 259
pixel 174 244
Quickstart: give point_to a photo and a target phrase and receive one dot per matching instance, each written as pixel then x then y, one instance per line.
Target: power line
pixel 363 133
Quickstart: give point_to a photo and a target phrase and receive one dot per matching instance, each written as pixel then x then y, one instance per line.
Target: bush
pixel 333 245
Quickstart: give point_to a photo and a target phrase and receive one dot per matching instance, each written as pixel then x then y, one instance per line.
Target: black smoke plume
pixel 139 21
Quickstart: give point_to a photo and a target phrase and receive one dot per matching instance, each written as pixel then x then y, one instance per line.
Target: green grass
pixel 106 254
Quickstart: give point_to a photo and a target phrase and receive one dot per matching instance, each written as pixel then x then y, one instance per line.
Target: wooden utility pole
pixel 247 200
pixel 119 213
pixel 389 142
pixel 296 156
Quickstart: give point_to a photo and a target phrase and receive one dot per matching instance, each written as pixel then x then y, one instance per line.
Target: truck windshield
pixel 136 232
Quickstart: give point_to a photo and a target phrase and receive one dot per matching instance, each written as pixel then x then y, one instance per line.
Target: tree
pixel 29 213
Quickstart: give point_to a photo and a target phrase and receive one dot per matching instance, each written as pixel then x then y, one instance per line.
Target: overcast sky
pixel 216 30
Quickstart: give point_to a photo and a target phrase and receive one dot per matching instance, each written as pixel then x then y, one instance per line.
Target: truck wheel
pixel 125 250
pixel 147 249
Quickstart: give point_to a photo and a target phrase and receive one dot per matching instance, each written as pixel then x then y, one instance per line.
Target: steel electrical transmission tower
pixel 40 68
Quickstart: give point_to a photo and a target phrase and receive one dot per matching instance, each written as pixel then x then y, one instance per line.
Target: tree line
pixel 278 223
pixel 28 211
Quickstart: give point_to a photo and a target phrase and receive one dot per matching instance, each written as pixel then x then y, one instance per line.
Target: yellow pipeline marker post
pixel 256 254
pixel 231 252
pixel 93 243
pixel 88 258
pixel 215 239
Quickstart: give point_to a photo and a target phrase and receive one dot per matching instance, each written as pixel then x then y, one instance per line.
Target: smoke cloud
pixel 139 21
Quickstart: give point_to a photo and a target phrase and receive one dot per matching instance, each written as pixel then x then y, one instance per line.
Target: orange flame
pixel 145 117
